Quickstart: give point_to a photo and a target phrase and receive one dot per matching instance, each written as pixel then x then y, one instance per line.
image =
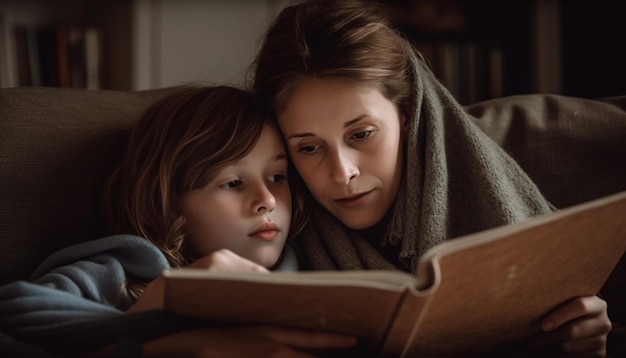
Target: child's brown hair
pixel 179 144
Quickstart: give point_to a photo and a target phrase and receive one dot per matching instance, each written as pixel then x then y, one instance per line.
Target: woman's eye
pixel 362 135
pixel 278 178
pixel 308 149
pixel 232 184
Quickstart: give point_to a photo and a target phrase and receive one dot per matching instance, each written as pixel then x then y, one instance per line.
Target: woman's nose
pixel 343 167
pixel 264 200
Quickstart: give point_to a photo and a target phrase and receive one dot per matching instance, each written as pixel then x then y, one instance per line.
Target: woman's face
pixel 345 141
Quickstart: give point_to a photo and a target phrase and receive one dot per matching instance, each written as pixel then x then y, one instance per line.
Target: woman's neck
pixel 376 233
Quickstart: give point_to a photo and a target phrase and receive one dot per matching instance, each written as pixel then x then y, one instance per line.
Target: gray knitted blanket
pixel 456 181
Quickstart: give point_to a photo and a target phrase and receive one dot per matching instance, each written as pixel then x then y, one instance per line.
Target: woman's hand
pixel 252 341
pixel 580 327
pixel 222 260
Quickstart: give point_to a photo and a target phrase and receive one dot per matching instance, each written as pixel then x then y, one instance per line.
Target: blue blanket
pixel 68 306
pixel 79 283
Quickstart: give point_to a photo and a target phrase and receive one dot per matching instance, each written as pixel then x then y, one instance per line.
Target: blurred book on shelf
pixel 51 55
pixel 8 69
pixel 471 71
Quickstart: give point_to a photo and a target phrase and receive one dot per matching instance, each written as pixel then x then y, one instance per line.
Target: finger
pixel 226 260
pixel 578 329
pixel 576 308
pixel 592 347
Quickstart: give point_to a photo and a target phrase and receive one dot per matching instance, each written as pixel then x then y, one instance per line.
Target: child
pixel 205 172
pixel 203 184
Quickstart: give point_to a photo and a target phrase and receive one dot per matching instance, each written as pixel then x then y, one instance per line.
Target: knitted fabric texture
pixel 456 181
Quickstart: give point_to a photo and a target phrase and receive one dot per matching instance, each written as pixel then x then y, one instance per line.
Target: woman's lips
pixel 353 200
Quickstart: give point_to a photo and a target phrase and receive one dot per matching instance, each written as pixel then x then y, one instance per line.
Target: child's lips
pixel 265 232
pixel 266 235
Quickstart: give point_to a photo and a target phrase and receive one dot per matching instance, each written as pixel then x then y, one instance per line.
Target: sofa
pixel 58 145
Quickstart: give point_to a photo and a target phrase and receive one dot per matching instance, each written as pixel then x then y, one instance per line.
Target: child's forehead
pixel 268 148
pixel 268 152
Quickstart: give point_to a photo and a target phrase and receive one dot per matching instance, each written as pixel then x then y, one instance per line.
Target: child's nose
pixel 265 200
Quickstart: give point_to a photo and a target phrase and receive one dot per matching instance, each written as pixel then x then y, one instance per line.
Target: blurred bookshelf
pixel 130 44
pixel 64 43
pixel 479 49
pixel 482 49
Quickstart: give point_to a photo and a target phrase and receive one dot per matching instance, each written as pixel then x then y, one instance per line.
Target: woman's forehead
pixel 324 102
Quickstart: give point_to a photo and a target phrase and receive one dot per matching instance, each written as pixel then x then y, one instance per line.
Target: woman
pixel 391 158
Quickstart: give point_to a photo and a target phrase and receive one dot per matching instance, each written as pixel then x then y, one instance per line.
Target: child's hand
pixel 580 327
pixel 228 261
pixel 222 260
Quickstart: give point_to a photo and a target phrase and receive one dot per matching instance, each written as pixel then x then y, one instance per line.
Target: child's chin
pixel 268 261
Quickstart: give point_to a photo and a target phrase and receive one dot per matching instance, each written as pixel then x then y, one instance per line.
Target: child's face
pixel 247 207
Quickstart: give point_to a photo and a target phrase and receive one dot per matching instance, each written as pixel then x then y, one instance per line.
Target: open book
pixel 471 294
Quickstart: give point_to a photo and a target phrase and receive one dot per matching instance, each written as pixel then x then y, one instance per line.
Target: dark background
pixel 592 48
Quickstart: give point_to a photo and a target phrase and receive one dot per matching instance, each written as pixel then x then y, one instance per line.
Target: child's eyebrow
pixel 281 156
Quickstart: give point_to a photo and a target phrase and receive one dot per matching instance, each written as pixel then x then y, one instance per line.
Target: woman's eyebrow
pixel 352 121
pixel 345 125
pixel 300 135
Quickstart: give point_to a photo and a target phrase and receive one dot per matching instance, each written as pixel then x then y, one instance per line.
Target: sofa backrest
pixel 573 148
pixel 58 146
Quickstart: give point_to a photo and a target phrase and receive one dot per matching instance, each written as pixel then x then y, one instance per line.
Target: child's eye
pixel 278 178
pixel 232 184
pixel 309 149
pixel 362 135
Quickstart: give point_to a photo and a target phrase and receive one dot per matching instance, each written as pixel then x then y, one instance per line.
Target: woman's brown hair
pixel 349 39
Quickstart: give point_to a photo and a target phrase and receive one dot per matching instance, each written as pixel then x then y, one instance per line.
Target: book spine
pixel 48 67
pixel 92 58
pixel 23 56
pixel 33 57
pixel 77 58
pixel 8 60
pixel 406 319
pixel 63 64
